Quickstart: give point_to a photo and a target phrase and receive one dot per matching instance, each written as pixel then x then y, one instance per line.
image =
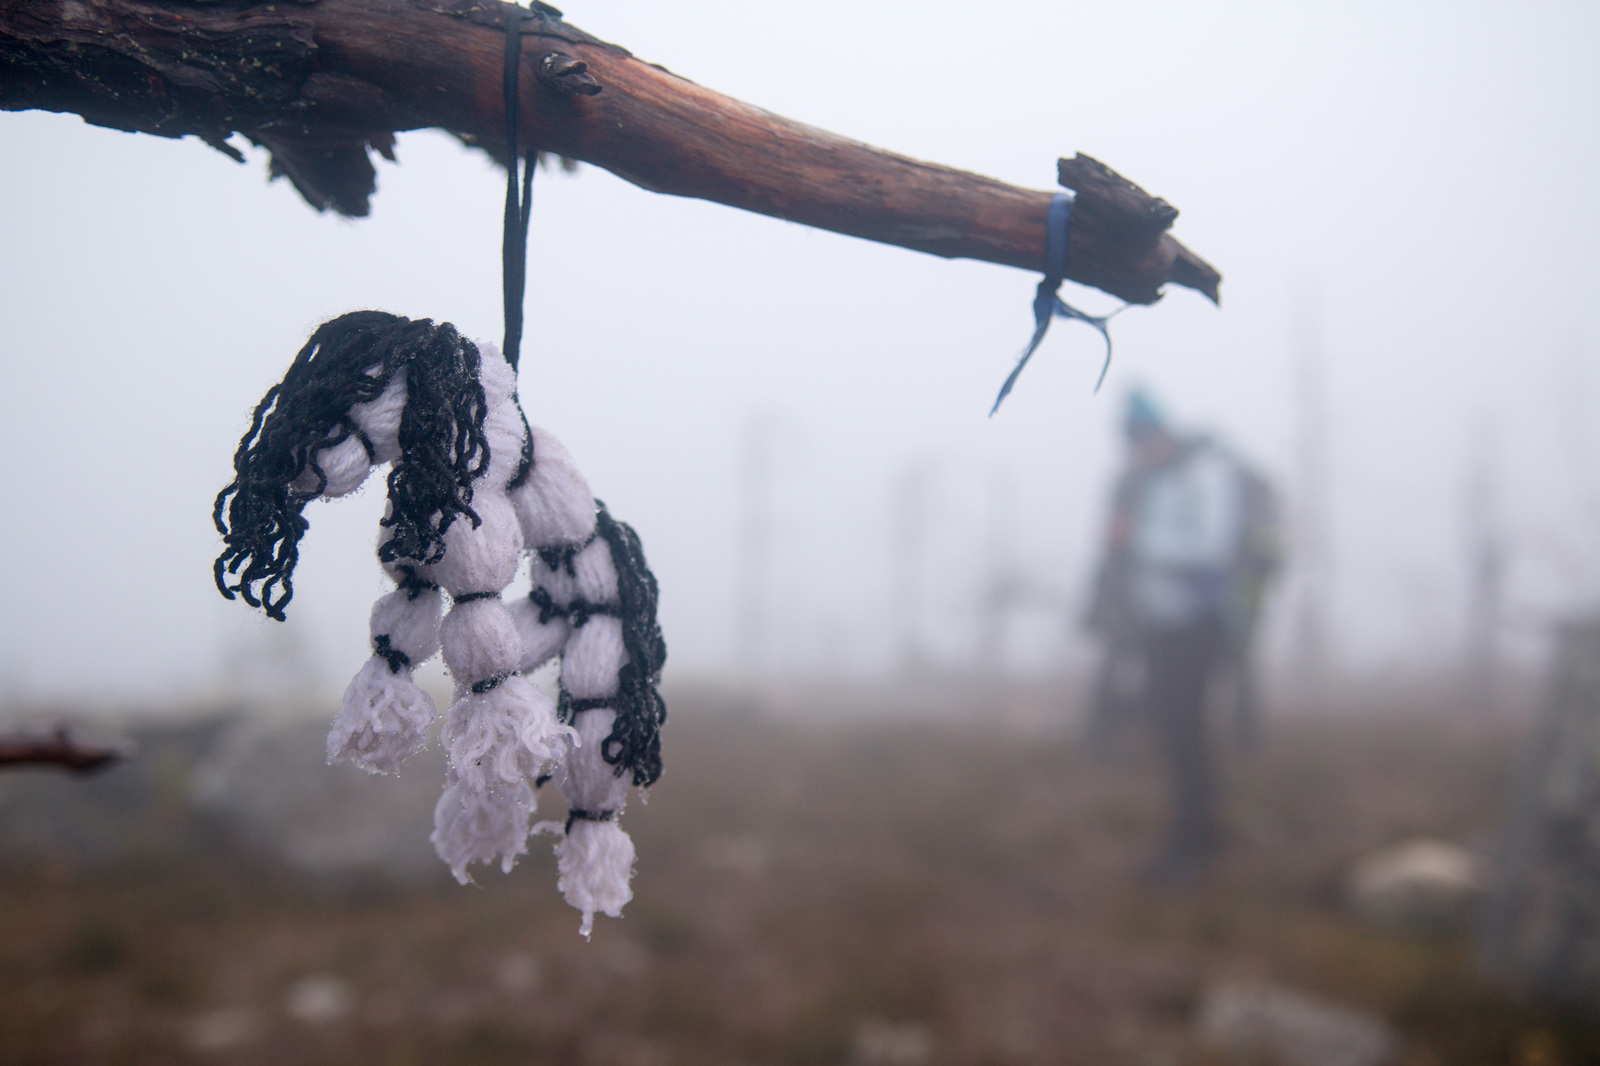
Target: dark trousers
pixel 1181 661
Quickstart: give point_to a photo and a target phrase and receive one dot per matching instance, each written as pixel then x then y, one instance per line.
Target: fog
pixel 1403 195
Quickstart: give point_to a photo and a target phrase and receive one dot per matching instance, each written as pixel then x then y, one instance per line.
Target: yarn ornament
pixel 472 489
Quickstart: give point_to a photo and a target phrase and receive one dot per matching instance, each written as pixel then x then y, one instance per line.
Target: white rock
pixel 1420 886
pixel 879 1042
pixel 319 999
pixel 220 1030
pixel 1266 1024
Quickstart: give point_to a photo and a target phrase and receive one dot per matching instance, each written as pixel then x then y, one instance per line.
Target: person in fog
pixel 1192 542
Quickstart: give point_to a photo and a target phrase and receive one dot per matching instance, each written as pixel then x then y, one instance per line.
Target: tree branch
pixel 61 749
pixel 323 82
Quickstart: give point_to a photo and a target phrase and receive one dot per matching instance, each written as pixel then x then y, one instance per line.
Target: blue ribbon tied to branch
pixel 1046 304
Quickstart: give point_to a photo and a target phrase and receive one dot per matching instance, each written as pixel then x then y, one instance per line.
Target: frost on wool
pixel 471 488
pixel 471 826
pixel 599 594
pixel 384 717
pixel 594 859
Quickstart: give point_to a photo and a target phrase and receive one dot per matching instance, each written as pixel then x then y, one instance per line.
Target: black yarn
pixel 514 244
pixel 489 684
pixel 569 707
pixel 412 583
pixel 579 611
pixel 578 813
pixel 442 443
pixel 468 597
pixel 397 659
pixel 634 744
pixel 548 608
pixel 560 556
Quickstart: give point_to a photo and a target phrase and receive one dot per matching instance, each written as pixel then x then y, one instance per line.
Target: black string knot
pixel 568 707
pixel 560 556
pixel 488 684
pixel 577 814
pixel 397 659
pixel 412 583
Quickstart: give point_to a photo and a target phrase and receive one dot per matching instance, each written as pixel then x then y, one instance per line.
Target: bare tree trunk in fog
pixel 323 82
pixel 1486 559
pixel 755 542
pixel 908 524
pixel 1311 555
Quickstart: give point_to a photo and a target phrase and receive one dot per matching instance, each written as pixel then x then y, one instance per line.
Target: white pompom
pixel 410 619
pixel 482 559
pixel 596 573
pixel 474 826
pixel 540 640
pixel 480 641
pixel 379 419
pixel 595 863
pixel 345 465
pixel 506 734
pixel 382 721
pixel 554 503
pixel 593 657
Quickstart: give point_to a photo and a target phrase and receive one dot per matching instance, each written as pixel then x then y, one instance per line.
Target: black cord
pixel 519 209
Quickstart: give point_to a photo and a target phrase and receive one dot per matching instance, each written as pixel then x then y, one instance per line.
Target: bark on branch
pixel 323 82
pixel 61 749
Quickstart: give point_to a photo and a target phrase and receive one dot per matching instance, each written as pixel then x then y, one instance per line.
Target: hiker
pixel 1192 543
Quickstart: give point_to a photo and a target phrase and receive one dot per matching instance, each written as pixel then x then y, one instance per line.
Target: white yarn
pixel 500 732
pixel 554 503
pixel 503 426
pixel 475 826
pixel 345 465
pixel 593 657
pixel 594 863
pixel 559 583
pixel 480 641
pixel 481 559
pixel 384 716
pixel 410 619
pixel 503 735
pixel 586 780
pixel 380 418
pixel 383 720
pixel 595 572
pixel 594 859
pixel 541 641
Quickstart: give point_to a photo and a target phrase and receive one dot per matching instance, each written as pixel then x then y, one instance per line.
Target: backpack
pixel 1260 554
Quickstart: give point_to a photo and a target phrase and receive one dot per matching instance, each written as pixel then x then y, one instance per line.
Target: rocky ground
pixel 876 891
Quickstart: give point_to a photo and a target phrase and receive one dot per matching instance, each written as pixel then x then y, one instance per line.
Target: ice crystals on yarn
pixel 371 388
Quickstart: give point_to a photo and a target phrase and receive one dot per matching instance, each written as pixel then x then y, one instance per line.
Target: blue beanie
pixel 1142 417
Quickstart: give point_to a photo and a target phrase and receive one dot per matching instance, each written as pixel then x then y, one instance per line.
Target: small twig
pixel 60 749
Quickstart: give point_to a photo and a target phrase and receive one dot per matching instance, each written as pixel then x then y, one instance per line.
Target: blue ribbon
pixel 1046 304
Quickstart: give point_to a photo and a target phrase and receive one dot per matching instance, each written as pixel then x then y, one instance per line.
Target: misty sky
pixel 1419 179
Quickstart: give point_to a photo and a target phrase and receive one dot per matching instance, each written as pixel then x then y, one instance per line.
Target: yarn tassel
pixel 384 717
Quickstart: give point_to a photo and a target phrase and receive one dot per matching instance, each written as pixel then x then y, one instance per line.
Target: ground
pixel 879 890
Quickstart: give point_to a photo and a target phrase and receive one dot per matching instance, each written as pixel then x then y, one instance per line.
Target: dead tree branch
pixel 323 82
pixel 61 749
